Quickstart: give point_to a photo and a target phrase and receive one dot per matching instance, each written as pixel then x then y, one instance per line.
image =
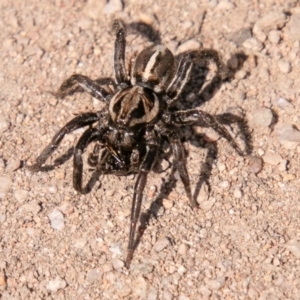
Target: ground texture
pixel 243 242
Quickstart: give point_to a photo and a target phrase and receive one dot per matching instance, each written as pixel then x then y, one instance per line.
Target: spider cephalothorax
pixel 128 132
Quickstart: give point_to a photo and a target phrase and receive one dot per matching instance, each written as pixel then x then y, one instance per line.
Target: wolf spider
pixel 139 114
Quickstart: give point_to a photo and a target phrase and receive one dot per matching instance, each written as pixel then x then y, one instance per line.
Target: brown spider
pixel 129 131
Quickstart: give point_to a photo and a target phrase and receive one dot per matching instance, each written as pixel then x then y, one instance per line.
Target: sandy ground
pixel 244 241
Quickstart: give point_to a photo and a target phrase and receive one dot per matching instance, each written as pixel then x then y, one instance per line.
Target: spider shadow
pixel 146 30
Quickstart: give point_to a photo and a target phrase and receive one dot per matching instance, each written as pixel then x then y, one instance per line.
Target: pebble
pixel 57 220
pixel 215 284
pixel 2 218
pixel 94 275
pixel 56 284
pixel 167 203
pixel 224 184
pixel 294 247
pixel 272 20
pixel 284 104
pixel 13 165
pixel 225 5
pixel 284 66
pixel 117 263
pixel 113 6
pixel 182 249
pixel 237 193
pixel 253 44
pixel 287 133
pixel 31 207
pixel 142 269
pixel 241 74
pixel 161 244
pixel 192 44
pixel 116 250
pixel 261 118
pixel 4 123
pixel 20 195
pixel 5 184
pixel 140 287
pixel 272 158
pixel 2 279
pixel 207 205
pixel 255 164
pixel 274 36
pixel 293 27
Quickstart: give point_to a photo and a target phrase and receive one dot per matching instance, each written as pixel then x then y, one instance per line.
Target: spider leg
pixel 139 187
pixel 194 116
pixel 79 121
pixel 88 136
pixel 180 162
pixel 119 54
pixel 89 85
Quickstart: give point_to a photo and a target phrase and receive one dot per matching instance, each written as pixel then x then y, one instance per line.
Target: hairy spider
pixel 129 131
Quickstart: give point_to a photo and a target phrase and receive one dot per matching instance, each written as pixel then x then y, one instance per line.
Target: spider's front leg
pixel 119 54
pixel 90 86
pixel 88 136
pixel 79 121
pixel 202 118
pixel 146 166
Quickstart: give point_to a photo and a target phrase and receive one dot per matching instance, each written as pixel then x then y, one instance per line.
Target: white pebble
pixel 274 36
pixel 188 45
pixel 12 165
pixel 215 284
pixel 253 44
pixel 116 250
pixel 287 133
pixel 241 74
pixel 182 249
pixel 113 6
pixel 117 263
pixel 56 284
pixel 57 220
pixel 161 244
pixel 237 193
pixel 262 118
pixel 272 158
pixel 94 275
pixel 284 66
pixel 207 205
pixel 5 184
pixel 20 195
pixel 4 123
pixel 224 184
pixel 140 287
pixel 294 247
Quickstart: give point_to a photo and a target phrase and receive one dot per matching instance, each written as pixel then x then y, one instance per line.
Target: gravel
pixel 243 240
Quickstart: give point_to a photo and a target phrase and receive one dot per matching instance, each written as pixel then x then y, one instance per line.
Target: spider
pixel 139 114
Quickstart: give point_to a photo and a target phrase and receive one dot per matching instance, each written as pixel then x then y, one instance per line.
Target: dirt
pixel 244 240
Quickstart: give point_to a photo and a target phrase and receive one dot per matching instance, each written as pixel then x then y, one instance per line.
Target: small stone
pixel 225 5
pixel 284 66
pixel 262 118
pixel 142 269
pixel 56 284
pixel 140 287
pixel 255 164
pixel 216 284
pixel 207 205
pixel 94 275
pixel 284 104
pixel 116 250
pixel 224 184
pixel 80 243
pixel 117 263
pixel 253 44
pixel 13 165
pixel 113 6
pixel 221 167
pixel 167 203
pixel 4 123
pixel 182 249
pixel 2 279
pixel 181 270
pixel 57 220
pixel 20 195
pixel 273 20
pixel 287 133
pixel 241 74
pixel 237 193
pixel 5 184
pixel 272 158
pixel 293 27
pixel 32 207
pixel 294 247
pixel 188 45
pixel 2 218
pixel 161 244
pixel 274 37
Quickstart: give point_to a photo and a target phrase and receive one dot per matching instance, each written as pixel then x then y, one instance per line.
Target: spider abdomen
pixel 153 68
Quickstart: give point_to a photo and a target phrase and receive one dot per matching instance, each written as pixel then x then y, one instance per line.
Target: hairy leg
pixel 119 54
pixel 89 85
pixel 79 121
